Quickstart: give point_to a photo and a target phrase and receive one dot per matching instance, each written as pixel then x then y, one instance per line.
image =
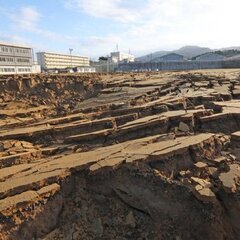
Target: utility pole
pixel 107 65
pixel 151 62
pixel 70 51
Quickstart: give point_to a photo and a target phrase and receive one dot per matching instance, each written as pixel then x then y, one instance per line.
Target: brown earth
pixel 120 156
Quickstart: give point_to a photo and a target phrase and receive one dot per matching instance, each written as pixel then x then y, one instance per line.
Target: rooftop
pixel 14 45
pixel 61 54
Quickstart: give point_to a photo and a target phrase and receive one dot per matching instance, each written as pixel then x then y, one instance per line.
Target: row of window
pixel 25 51
pixel 65 60
pixel 10 59
pixel 17 50
pixel 6 59
pixel 68 64
pixel 24 70
pixel 12 70
pixel 65 57
pixel 23 60
pixel 7 70
pixel 6 49
pixel 62 66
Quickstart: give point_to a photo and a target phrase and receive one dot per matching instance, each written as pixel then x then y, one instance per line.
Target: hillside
pixel 228 53
pixel 147 57
pixel 231 54
pixel 191 52
pixel 187 51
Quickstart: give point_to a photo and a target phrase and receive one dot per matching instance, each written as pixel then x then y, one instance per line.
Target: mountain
pixel 230 48
pixel 150 56
pixel 229 53
pixel 192 51
pixel 187 52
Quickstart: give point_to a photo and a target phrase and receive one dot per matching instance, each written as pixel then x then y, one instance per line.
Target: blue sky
pixel 94 27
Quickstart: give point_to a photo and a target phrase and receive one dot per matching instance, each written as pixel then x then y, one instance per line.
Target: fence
pixel 106 67
pixel 177 65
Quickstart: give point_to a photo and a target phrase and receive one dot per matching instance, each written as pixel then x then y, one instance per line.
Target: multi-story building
pixel 49 61
pixel 16 59
pixel 121 57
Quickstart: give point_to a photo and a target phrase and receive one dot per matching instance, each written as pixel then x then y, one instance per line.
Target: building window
pixel 4 49
pixel 22 51
pixel 6 59
pixel 7 70
pixel 23 60
pixel 24 70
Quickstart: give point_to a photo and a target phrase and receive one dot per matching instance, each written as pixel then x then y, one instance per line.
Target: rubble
pixel 120 156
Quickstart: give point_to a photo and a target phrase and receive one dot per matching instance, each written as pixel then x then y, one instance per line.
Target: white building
pixel 16 59
pixel 49 60
pixel 121 57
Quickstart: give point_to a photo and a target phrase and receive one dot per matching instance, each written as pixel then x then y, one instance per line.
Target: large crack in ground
pixel 120 156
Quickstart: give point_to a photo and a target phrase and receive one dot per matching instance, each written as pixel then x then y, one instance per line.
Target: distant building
pixel 49 60
pixel 210 57
pixel 84 69
pixel 171 57
pixel 17 59
pixel 117 57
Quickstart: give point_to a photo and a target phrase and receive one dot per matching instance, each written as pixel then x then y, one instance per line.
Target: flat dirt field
pixel 152 156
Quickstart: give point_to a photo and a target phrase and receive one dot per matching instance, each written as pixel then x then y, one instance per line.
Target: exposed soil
pixel 120 156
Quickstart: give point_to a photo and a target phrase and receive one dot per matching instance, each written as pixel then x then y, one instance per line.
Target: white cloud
pixel 109 9
pixel 159 24
pixel 95 40
pixel 140 25
pixel 27 18
pixel 13 38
